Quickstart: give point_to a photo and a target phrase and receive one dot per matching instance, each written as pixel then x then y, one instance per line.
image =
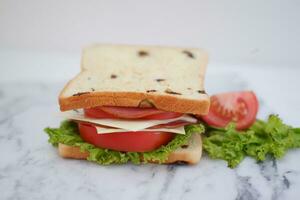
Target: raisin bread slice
pixel 167 78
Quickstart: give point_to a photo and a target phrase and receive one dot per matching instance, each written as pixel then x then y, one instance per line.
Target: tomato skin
pixel 139 141
pixel 129 113
pixel 238 107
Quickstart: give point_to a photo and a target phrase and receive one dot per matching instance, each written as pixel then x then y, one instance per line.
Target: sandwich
pixel 134 104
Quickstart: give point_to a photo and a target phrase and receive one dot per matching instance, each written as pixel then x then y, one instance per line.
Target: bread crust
pixel 181 155
pixel 66 151
pixel 135 99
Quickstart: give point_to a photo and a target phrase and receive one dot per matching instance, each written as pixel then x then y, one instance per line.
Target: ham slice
pixel 173 124
pixel 129 113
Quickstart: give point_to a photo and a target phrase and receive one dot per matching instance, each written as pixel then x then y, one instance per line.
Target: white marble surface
pixel 31 169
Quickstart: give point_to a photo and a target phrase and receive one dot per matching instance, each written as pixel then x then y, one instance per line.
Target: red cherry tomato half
pixel 140 141
pixel 238 107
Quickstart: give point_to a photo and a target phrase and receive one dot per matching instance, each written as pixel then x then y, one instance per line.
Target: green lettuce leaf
pixel 271 137
pixel 68 134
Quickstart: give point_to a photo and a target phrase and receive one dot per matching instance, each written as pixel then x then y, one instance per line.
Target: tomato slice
pixel 139 141
pixel 239 107
pixel 110 112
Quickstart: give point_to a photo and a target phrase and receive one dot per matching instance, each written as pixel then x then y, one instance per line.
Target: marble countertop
pixel 31 169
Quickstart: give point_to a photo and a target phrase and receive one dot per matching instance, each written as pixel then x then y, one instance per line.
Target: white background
pixel 234 32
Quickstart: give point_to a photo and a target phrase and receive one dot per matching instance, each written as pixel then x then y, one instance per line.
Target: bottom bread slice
pixel 189 153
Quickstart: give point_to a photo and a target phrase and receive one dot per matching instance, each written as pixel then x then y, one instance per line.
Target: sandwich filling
pixel 127 128
pixel 122 134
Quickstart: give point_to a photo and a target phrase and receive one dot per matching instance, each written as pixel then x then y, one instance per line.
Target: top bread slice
pixel 167 78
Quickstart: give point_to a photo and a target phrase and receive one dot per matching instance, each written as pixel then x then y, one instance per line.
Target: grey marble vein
pixel 171 170
pixel 245 189
pixel 278 182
